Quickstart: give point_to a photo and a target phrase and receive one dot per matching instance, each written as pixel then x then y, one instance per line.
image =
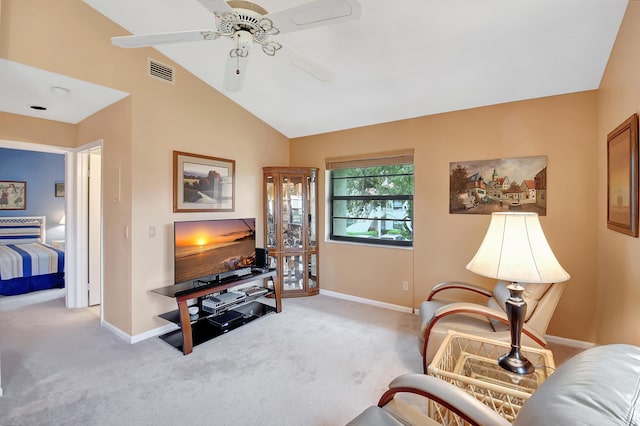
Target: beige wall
pixel 618 254
pixel 112 126
pixel 563 128
pixel 140 133
pixel 34 130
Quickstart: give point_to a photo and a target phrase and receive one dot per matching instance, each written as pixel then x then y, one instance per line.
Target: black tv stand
pixel 193 332
pixel 209 282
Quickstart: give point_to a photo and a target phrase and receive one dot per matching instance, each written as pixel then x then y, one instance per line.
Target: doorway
pixel 80 259
pixel 90 223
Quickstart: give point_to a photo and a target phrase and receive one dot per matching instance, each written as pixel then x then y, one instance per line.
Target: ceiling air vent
pixel 161 71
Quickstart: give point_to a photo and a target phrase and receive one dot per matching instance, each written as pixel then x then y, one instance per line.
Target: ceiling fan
pixel 246 23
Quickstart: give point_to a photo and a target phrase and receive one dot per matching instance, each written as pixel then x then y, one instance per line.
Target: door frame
pixel 81 226
pixel 76 236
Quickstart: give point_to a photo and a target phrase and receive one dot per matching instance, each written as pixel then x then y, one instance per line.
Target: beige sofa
pixel 598 387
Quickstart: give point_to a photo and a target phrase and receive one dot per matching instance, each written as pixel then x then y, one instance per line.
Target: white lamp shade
pixel 515 249
pixel 63 220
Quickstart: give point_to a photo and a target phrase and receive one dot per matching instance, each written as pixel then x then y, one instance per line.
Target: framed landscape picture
pixel 622 177
pixel 202 183
pixel 13 195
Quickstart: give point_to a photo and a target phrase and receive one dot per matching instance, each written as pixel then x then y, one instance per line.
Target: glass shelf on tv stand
pixel 203 330
pixel 193 332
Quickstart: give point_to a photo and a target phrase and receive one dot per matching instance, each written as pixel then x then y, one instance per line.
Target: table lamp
pixel 515 249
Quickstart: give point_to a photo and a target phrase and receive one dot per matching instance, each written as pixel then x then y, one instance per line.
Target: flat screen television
pixel 210 249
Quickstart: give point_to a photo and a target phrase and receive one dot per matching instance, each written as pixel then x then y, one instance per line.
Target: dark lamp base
pixel 515 362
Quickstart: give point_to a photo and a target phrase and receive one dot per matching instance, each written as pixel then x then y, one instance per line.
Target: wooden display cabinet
pixel 291 228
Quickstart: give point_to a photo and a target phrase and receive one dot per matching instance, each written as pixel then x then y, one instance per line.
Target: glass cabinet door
pixel 293 273
pixel 292 211
pixel 270 213
pixel 311 202
pixel 312 278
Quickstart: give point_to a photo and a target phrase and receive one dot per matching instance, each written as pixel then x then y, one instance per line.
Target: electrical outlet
pixel 405 285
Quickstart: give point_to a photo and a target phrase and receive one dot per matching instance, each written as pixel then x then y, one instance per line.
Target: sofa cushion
pixel 600 386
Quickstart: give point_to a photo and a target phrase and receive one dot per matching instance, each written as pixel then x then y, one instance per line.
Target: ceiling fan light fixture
pixel 60 90
pixel 270 48
pixel 226 23
pixel 246 16
pixel 209 35
pixel 267 26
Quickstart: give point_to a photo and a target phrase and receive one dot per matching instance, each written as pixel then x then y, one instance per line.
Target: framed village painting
pixel 202 183
pixel 504 184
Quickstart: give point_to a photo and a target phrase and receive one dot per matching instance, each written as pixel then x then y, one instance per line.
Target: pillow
pixel 19 233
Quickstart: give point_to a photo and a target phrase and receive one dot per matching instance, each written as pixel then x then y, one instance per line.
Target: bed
pixel 27 264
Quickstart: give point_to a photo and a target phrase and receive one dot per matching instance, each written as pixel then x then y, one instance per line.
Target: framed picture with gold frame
pixel 202 183
pixel 622 177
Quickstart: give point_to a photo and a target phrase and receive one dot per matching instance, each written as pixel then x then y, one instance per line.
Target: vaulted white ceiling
pixel 401 59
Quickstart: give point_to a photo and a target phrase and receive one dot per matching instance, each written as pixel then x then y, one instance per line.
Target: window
pixel 372 199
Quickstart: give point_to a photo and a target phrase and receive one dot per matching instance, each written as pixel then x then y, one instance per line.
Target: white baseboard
pixel 154 333
pixel 366 301
pixel 569 342
pixel 560 340
pixel 142 336
pixel 115 330
pixel 170 327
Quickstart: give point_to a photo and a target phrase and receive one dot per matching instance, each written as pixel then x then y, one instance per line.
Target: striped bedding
pixel 20 233
pixel 26 260
pixel 22 253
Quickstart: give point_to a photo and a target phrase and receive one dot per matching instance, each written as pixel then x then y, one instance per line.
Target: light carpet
pixel 321 361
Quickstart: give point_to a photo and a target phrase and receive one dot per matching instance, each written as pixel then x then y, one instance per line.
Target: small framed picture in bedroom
pixel 13 195
pixel 59 189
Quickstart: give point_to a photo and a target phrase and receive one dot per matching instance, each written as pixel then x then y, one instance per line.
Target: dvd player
pixel 216 303
pixel 226 319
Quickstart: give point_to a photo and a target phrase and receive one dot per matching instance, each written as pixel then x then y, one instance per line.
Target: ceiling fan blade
pixel 216 5
pixel 133 41
pixel 314 13
pixel 305 64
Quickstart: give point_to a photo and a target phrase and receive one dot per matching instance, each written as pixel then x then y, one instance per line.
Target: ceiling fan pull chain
pixel 238 55
pixel 238 65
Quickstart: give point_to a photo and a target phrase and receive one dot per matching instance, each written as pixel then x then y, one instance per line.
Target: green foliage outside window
pixel 373 204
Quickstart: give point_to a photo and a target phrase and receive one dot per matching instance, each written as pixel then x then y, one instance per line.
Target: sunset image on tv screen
pixel 209 247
